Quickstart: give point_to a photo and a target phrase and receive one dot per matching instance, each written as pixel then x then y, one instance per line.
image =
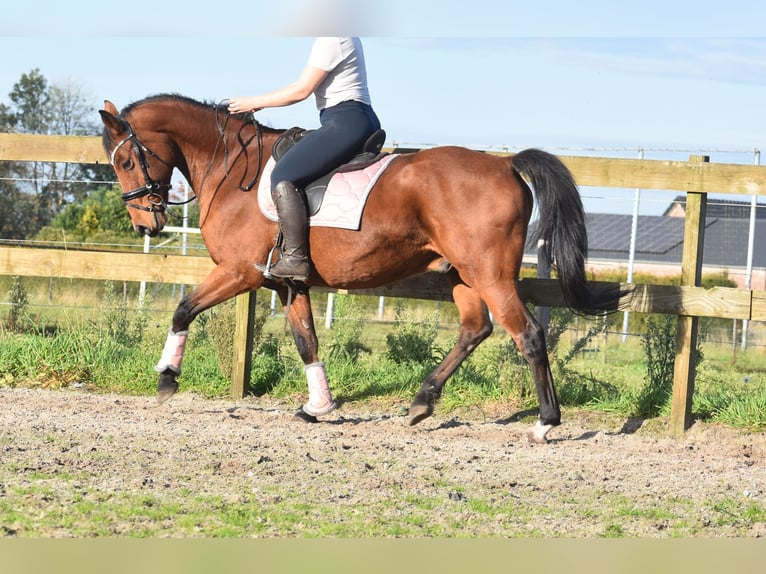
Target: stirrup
pixel 265 268
pixel 291 275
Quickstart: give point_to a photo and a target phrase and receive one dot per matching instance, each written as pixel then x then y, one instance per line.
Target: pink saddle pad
pixel 344 200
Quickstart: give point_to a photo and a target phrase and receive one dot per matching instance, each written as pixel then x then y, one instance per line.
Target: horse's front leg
pixel 301 320
pixel 223 283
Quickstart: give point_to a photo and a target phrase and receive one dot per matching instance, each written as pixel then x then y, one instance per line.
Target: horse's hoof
pixel 304 417
pixel 166 390
pixel 539 432
pixel 420 412
pixel 321 411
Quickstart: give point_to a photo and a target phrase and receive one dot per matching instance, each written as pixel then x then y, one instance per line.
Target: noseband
pixel 152 188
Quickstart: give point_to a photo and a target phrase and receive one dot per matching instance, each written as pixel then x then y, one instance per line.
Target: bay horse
pixel 449 209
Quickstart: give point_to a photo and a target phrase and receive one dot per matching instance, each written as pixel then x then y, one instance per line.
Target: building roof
pixel 659 239
pixel 723 208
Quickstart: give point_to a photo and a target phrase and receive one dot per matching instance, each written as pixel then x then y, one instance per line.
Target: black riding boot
pixel 293 222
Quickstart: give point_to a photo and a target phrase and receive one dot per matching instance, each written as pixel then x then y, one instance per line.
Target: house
pixel 718 208
pixel 659 241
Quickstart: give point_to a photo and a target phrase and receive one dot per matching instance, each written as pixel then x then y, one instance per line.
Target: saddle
pixel 367 155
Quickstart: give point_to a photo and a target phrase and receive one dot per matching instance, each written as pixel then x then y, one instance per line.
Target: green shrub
pixel 659 344
pixel 18 320
pixel 117 321
pixel 346 336
pixel 218 326
pixel 268 366
pixel 411 341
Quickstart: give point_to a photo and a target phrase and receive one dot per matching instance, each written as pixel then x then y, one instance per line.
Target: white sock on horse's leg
pixel 539 433
pixel 320 397
pixel 173 353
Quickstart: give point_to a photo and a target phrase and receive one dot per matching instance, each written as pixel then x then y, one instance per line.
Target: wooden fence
pixel 696 178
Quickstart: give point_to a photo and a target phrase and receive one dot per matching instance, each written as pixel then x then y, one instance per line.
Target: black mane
pixel 211 106
pixel 173 97
pixel 181 99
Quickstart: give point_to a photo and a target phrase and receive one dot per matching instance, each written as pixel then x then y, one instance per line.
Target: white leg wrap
pixel 320 398
pixel 538 434
pixel 173 353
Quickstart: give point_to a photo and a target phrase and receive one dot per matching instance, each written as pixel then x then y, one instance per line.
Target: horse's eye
pixel 127 164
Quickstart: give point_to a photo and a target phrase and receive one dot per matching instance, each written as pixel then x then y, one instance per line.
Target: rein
pixel 259 163
pixel 221 127
pixel 243 144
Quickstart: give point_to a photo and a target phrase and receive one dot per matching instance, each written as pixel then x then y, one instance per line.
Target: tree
pixel 73 114
pixel 39 108
pixel 103 211
pixel 31 99
pixel 17 212
pixel 9 193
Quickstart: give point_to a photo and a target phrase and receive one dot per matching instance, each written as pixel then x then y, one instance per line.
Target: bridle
pixel 151 188
pixel 154 189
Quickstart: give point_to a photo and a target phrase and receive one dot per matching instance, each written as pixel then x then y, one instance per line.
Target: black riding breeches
pixel 344 128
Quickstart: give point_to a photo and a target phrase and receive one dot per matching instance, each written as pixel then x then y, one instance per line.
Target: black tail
pixel 561 225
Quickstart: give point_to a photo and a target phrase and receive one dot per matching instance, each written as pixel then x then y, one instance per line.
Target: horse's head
pixel 144 175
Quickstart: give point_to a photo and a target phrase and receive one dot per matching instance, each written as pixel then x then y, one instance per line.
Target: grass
pixel 111 346
pixel 732 393
pixel 372 361
pixel 64 506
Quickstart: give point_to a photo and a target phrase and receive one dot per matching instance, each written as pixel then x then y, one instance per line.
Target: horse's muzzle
pixel 143 230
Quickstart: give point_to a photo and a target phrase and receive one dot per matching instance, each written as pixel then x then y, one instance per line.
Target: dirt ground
pixel 654 485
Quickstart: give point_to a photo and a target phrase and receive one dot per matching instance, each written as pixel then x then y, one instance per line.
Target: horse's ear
pixel 110 121
pixel 111 108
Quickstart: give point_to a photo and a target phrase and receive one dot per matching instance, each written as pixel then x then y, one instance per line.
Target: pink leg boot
pixel 320 399
pixel 173 352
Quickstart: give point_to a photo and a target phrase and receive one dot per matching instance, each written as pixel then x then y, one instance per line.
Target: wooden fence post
pixel 686 335
pixel 243 345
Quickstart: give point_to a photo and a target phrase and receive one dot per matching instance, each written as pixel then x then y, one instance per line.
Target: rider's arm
pixel 293 93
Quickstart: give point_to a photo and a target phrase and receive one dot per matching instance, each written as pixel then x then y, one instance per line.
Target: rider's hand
pixel 241 105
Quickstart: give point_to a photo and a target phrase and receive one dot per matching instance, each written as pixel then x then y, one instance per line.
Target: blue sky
pixel 485 73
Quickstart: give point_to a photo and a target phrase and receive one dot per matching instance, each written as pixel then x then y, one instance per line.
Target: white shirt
pixel 343 58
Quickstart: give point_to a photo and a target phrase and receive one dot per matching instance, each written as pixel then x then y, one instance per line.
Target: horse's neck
pixel 213 158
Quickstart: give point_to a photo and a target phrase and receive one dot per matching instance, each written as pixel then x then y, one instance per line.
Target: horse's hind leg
pixel 301 320
pixel 509 310
pixel 475 326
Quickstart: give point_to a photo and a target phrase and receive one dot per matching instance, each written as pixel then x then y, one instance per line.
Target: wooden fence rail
pixel 591 171
pixel 721 302
pixel 696 177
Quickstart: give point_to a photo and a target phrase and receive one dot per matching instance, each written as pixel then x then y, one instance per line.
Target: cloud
pixel 733 60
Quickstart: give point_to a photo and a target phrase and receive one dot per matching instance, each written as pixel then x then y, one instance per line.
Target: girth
pixel 368 154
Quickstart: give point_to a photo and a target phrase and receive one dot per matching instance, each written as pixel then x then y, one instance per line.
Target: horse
pixel 460 212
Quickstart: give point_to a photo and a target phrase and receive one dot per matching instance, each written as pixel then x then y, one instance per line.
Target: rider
pixel 335 73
